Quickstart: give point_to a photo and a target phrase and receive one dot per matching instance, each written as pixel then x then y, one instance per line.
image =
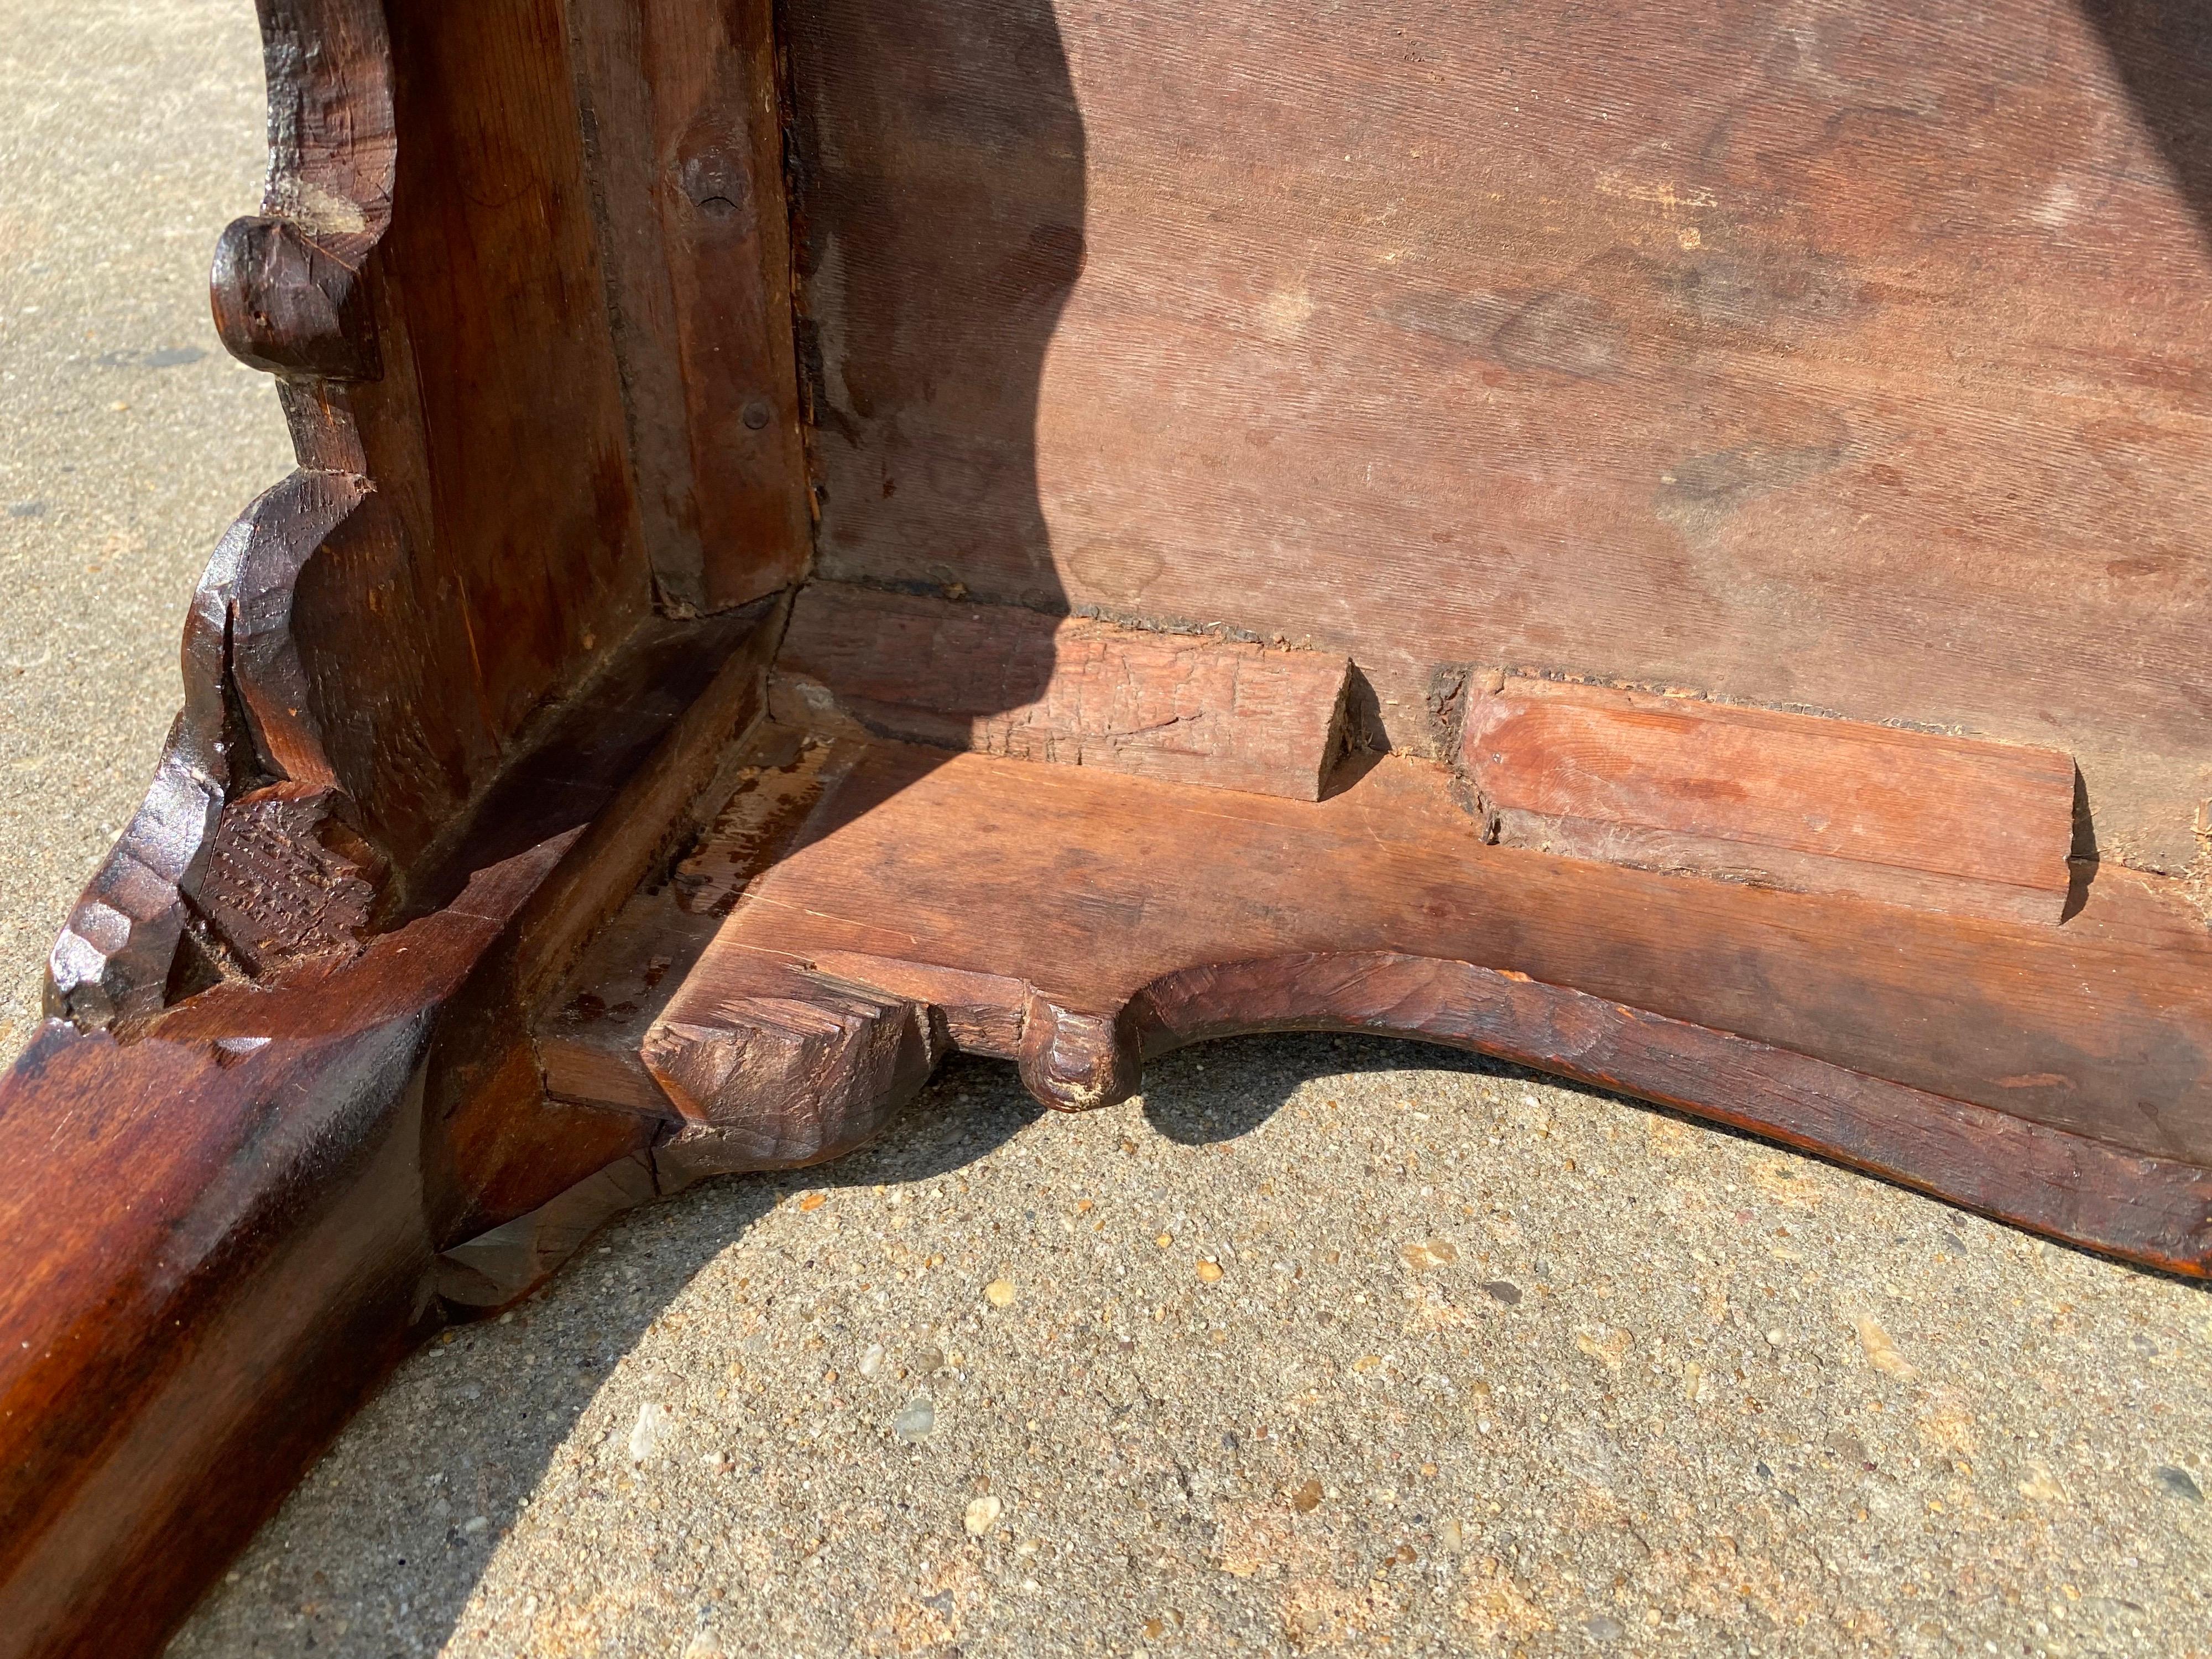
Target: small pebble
pixel 1881 1353
pixel 1000 1293
pixel 1435 1253
pixel 1503 1291
pixel 983 1514
pixel 2176 1483
pixel 651 1429
pixel 915 1422
pixel 1209 1271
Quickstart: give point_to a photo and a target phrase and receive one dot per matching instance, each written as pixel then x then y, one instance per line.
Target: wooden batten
pixel 1774 799
pixel 1001 680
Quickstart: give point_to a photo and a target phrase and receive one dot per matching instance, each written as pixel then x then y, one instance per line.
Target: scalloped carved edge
pixel 287 298
pixel 822 1056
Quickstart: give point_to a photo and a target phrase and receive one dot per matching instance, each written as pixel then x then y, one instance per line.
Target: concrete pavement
pixel 1322 1347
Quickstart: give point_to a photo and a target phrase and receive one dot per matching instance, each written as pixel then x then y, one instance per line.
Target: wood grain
pixel 223 1246
pixel 1187 393
pixel 1778 799
pixel 285 304
pixel 531 528
pixel 233 1213
pixel 1844 356
pixel 1002 680
pixel 591 1034
pixel 2155 1211
pixel 686 165
pixel 1032 906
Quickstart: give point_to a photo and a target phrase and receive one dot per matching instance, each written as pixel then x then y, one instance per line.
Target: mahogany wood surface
pixel 232 1210
pixel 225 1245
pixel 686 179
pixel 1779 799
pixel 1035 911
pixel 830 532
pixel 1845 355
pixel 1004 680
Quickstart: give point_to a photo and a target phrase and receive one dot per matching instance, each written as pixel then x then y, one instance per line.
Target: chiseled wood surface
pixel 1780 799
pixel 591 1034
pixel 232 1212
pixel 2152 1210
pixel 1845 355
pixel 1032 906
pixel 1824 355
pixel 686 174
pixel 1005 680
pixel 225 1245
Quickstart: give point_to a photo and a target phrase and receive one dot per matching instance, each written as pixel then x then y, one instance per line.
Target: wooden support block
pixel 1001 680
pixel 1774 799
pixel 1077 922
pixel 784 1066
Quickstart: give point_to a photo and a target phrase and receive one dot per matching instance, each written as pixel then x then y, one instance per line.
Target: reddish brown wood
pixel 841 1057
pixel 591 1042
pixel 1003 680
pixel 686 163
pixel 287 877
pixel 233 1212
pixel 1209 396
pixel 2152 1210
pixel 1779 799
pixel 285 304
pixel 527 513
pixel 224 1244
pixel 1032 908
pixel 1847 359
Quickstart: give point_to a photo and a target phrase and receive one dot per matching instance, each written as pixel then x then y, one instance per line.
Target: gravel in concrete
pixel 1324 1345
pixel 130 135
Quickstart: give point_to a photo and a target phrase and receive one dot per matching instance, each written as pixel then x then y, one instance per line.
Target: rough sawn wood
pixel 830 532
pixel 1779 799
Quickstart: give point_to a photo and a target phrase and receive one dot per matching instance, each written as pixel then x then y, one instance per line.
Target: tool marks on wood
pixel 1048 915
pixel 1002 680
pixel 1776 799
